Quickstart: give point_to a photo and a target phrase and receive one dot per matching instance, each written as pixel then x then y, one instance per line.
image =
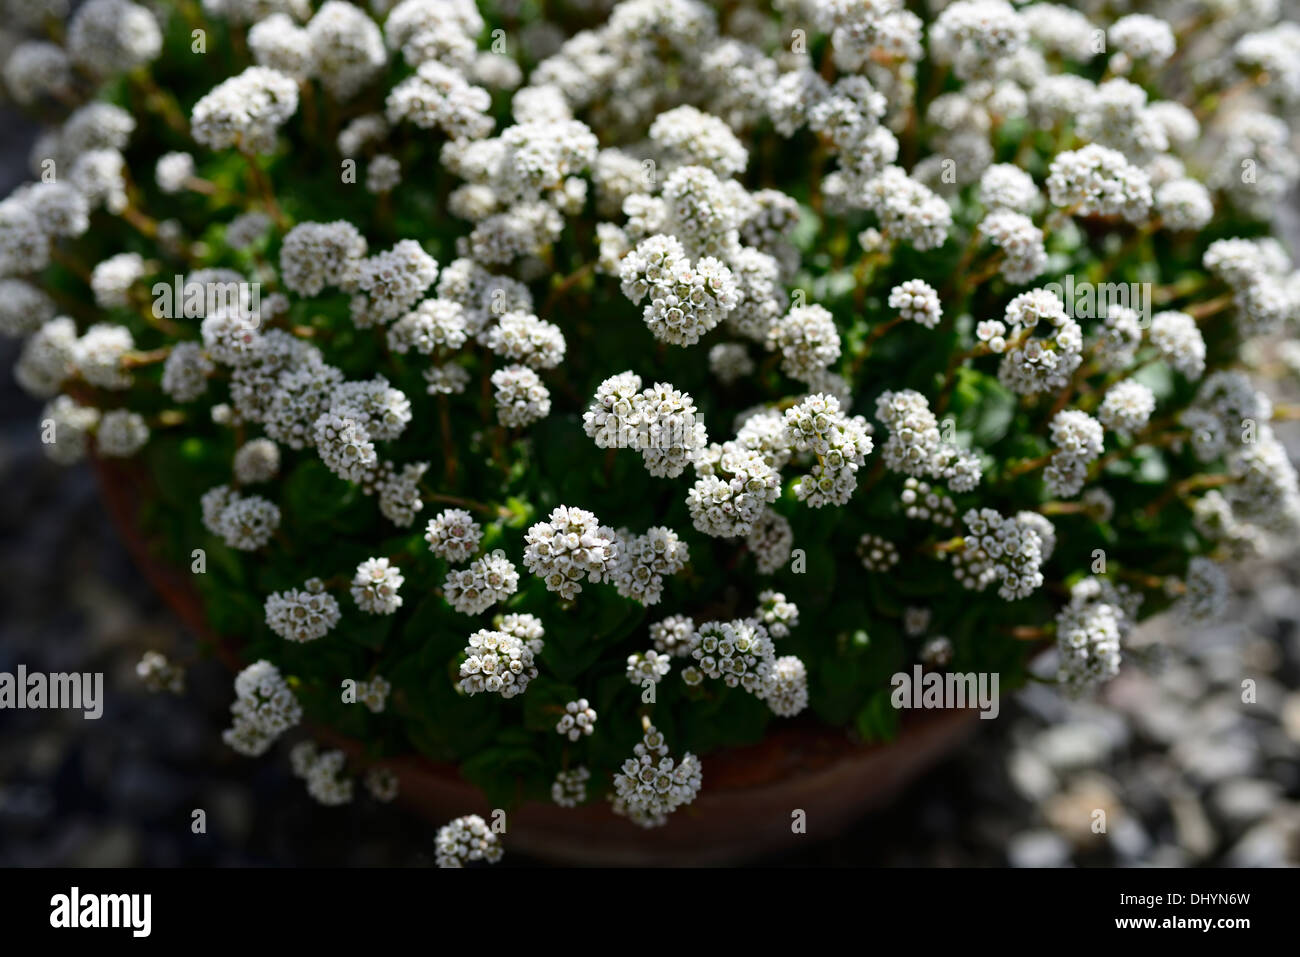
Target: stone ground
pixel 1186 773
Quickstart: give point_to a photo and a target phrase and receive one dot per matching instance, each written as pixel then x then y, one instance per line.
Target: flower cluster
pixel 368 311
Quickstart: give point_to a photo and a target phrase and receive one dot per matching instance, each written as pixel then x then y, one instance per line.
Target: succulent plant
pixel 569 398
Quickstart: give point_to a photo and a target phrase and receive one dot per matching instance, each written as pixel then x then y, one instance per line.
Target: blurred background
pixel 1188 774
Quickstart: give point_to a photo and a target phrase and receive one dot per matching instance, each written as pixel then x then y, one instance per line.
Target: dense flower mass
pixel 497 360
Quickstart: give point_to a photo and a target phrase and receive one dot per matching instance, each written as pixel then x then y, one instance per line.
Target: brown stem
pixel 448 445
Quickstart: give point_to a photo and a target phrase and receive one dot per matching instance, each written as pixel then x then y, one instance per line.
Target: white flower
pixel 497 663
pixel 121 433
pixel 453 534
pixel 570 546
pixel 650 785
pixel 245 111
pixel 375 586
pixel 465 840
pixel 485 582
pixel 579 718
pixel 917 301
pixel 302 614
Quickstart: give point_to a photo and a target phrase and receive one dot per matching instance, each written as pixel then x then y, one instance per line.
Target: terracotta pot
pixel 744 809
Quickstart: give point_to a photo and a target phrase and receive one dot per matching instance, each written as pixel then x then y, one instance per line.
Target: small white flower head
pixel 1021 242
pixel 650 785
pixel 908 211
pixel 1184 205
pixel 1006 186
pixel 264 708
pixel 1005 550
pixel 1088 641
pixel 1116 116
pixel 877 554
pixel 684 301
pixel 97 355
pixel 1079 439
pixel 23 308
pixel 730 362
pixel 24 244
pixel 304 614
pixel 47 358
pixel 1179 342
pixel 398 492
pixel 916 621
pixel 570 546
pixel 257 460
pixel 841 445
pixel 245 111
pixel 1118 338
pixel 1142 38
pixel 661 422
pixel 447 379
pixel 173 171
pixel 570 787
pixel 156 673
pixel 73 424
pixel 1206 592
pixel 316 255
pixel 777 615
pixel 521 398
pixel 454 535
pixel 785 686
pixel 347 48
pixel 527 628
pixel 383 174
pixel 647 667
pixel 345 446
pixel 1126 408
pixel 734 487
pixel 1099 181
pixel 60 208
pixel 496 663
pixel 121 433
pixel 771 540
pixel 645 560
pixel 1045 360
pixel 243 522
pixel 1239 262
pixel 246 229
pixel 375 586
pixel 522 337
pixel 439 97
pixel 936 652
pixel 917 301
pixel 914 438
pixel 466 840
pixel 485 582
pixel 113 36
pixel 391 282
pixel 807 340
pixel 688 137
pixel 373 693
pixel 278 43
pixel 738 652
pixel 927 503
pixel 672 636
pixel 36 69
pixel 382 783
pixel 579 718
pixel 976 35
